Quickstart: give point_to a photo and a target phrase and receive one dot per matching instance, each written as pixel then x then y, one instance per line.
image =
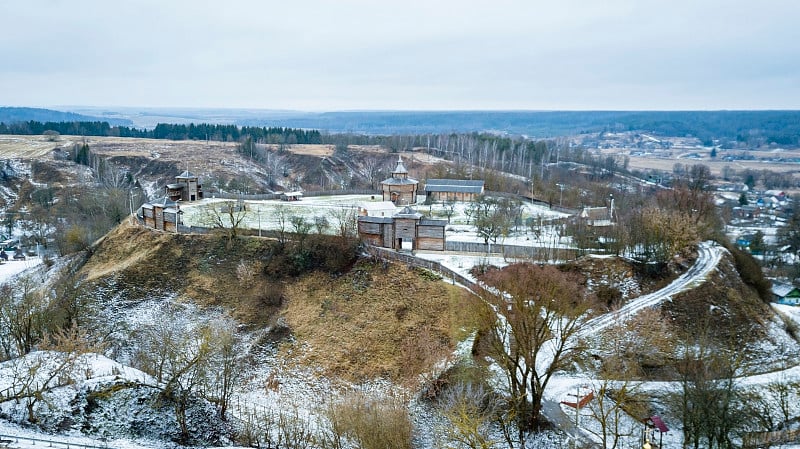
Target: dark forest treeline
pixel 751 127
pixel 202 131
pixel 21 114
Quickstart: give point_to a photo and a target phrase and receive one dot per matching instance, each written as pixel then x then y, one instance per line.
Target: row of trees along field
pixel 516 155
pixel 202 131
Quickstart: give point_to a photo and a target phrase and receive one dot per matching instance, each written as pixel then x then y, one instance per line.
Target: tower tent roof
pixel 408 212
pixel 400 168
pixel 399 181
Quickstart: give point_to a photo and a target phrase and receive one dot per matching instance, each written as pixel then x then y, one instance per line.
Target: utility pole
pixel 130 203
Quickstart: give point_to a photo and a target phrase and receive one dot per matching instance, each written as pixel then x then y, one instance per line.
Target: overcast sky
pixel 406 54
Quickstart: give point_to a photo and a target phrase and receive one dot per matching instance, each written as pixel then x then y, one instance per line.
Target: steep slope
pixel 719 311
pixel 360 319
pixel 728 313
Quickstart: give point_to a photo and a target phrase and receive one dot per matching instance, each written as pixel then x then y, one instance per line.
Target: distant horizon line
pixel 320 111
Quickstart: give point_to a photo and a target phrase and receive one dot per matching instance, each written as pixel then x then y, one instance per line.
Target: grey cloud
pixel 349 54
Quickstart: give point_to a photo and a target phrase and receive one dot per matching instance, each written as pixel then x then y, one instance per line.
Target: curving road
pixel 709 255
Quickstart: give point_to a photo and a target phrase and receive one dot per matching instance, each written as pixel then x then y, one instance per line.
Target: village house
pixel 745 212
pixel 405 230
pixel 779 195
pixel 400 189
pixel 453 189
pixel 785 294
pixel 597 216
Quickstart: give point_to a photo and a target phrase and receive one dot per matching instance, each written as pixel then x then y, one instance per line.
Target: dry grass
pixel 723 306
pixel 372 423
pixel 309 149
pixel 132 245
pixel 196 268
pixel 196 153
pixel 373 323
pixel 30 147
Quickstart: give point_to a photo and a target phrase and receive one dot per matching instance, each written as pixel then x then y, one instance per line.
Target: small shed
pixel 652 424
pixel 291 196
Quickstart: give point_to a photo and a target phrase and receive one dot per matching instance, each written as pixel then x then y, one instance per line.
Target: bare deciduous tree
pixel 534 315
pixel 226 216
pixel 55 364
pixel 301 228
pixel 25 317
pixel 321 224
pixel 709 402
pixel 345 222
pixel 610 408
pixel 373 169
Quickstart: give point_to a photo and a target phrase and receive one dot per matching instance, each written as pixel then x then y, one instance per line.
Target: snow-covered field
pixel 12 268
pixel 264 215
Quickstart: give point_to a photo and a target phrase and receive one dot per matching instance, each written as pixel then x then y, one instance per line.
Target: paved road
pixel 556 415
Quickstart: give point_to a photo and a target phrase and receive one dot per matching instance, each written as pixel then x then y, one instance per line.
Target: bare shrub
pixel 248 432
pixel 471 408
pixel 76 238
pixel 293 431
pixel 371 423
pixel 246 272
pixel 286 428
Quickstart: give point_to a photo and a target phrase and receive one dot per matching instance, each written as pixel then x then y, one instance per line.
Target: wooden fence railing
pixel 521 251
pixel 412 260
pixel 767 439
pixel 276 196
